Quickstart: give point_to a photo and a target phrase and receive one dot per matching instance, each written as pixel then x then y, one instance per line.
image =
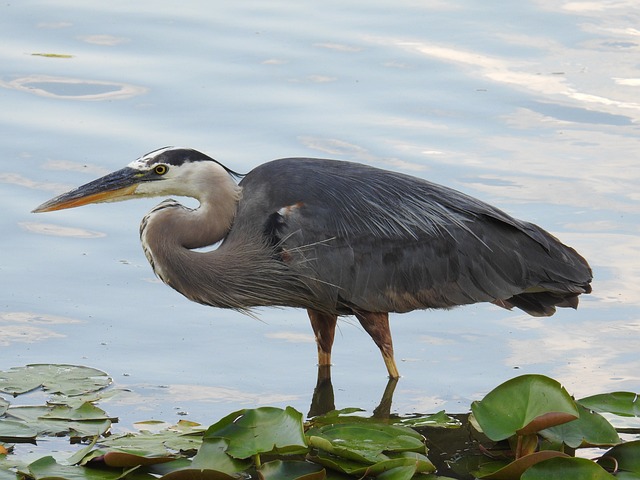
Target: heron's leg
pixel 324 328
pixel 377 326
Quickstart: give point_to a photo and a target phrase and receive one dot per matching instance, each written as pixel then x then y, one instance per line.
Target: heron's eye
pixel 160 169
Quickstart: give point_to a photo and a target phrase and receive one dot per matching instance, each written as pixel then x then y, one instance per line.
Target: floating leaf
pixel 627 456
pixel 86 411
pixel 398 473
pixel 36 417
pixel 365 442
pixel 590 429
pixel 65 379
pixel 566 469
pixel 439 419
pixel 291 470
pixel 213 455
pixel 7 475
pixel 250 432
pixel 158 444
pixel 193 474
pixel 418 462
pixel 48 468
pixel 92 397
pixel 339 416
pixel 500 471
pixel 340 464
pixel 11 431
pixel 3 406
pixel 52 55
pixel 523 405
pixel 625 404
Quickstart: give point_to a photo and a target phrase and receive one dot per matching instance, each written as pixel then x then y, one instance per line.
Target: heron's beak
pixel 115 186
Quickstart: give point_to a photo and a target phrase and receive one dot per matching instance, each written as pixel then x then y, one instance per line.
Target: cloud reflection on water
pixel 28 327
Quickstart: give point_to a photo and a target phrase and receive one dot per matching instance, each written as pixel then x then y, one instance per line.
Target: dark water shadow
pixel 451 450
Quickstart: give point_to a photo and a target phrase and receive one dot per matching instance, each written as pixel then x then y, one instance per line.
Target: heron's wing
pixel 369 239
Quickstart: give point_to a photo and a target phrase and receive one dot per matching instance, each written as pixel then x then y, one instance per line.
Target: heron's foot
pixel 324 329
pixel 390 363
pixel 377 326
pixel 324 358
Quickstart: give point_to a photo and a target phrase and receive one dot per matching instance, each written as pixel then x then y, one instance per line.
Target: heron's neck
pixel 240 274
pixel 170 228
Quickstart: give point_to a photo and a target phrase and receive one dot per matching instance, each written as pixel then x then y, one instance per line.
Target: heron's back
pixel 362 238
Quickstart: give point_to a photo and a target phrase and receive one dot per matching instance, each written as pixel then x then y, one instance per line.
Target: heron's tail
pixel 543 304
pixel 562 278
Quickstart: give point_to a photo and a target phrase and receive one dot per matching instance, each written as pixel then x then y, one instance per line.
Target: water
pixel 532 106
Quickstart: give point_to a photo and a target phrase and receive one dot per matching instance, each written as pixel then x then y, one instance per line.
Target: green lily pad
pixel 626 455
pixel 251 432
pixel 339 464
pixel 439 419
pixel 212 455
pixel 3 406
pixel 8 475
pixel 417 462
pixel 590 430
pixel 405 472
pixel 91 397
pixel 524 405
pixel 195 474
pixel 509 471
pixel 566 469
pixel 11 431
pixel 365 442
pixel 291 470
pixel 36 417
pixel 69 380
pixel 48 468
pixel 165 442
pixel 625 404
pixel 86 411
pixel 414 461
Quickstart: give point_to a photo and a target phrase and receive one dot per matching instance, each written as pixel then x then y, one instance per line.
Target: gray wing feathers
pixel 369 239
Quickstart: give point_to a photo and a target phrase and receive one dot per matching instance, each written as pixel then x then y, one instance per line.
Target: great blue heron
pixel 336 238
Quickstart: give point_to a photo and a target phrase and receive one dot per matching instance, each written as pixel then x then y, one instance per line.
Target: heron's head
pixel 167 171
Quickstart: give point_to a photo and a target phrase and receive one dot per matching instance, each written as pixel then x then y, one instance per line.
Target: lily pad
pixel 339 464
pixel 590 430
pixel 398 473
pixel 69 380
pixel 3 405
pixel 515 469
pixel 566 469
pixel 12 431
pixel 86 411
pixel 625 404
pixel 365 442
pixel 291 470
pixel 48 468
pixel 36 418
pixel 166 442
pixel 195 474
pixel 626 455
pixel 524 405
pixel 251 432
pixel 439 419
pixel 212 455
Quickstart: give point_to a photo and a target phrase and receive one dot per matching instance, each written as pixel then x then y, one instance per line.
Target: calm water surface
pixel 533 106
